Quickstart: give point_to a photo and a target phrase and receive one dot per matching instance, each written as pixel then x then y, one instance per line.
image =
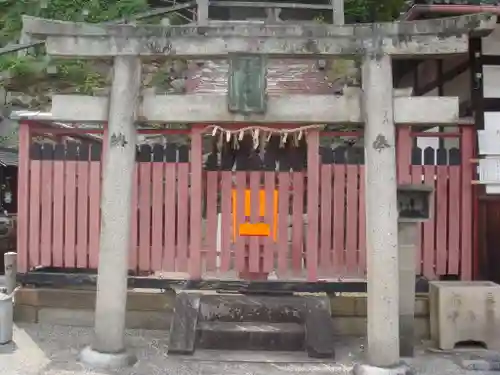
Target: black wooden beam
pixel 18 47
pixel 60 278
pixel 491 104
pixel 403 68
pixel 489 60
pixel 478 104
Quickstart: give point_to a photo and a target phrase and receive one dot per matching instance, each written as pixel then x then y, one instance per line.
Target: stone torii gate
pixel 377 44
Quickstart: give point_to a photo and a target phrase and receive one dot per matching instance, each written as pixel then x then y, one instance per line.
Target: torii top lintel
pixel 400 39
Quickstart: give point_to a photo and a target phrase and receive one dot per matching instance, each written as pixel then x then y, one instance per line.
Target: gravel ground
pixel 41 349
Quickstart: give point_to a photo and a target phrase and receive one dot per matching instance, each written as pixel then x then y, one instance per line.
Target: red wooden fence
pixel 182 225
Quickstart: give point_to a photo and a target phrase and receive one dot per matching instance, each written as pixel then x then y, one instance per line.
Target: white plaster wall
pixel 491 78
pixel 491 88
pixel 491 44
pixel 491 82
pixel 460 87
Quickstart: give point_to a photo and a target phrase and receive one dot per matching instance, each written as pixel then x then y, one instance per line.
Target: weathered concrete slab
pixel 200 108
pixel 362 369
pixel 428 37
pixel 183 326
pixel 472 304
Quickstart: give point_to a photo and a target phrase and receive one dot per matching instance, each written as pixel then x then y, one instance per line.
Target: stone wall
pixel 152 309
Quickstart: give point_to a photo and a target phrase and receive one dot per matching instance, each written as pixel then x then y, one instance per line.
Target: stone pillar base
pixel 99 360
pixel 402 369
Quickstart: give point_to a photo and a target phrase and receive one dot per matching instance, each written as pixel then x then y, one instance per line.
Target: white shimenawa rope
pixel 256 129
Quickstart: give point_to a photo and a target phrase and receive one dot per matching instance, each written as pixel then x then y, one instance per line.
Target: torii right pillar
pixel 381 211
pixel 383 284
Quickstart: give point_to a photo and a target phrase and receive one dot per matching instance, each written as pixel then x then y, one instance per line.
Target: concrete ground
pixel 41 349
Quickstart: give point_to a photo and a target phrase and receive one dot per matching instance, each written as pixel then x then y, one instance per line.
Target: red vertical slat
pixel 429 227
pixel 212 219
pixel 362 223
pixel 467 147
pixel 271 219
pixel 47 198
pixel 34 212
pixel 133 254
pixel 339 197
pixel 454 221
pixel 441 218
pixel 70 214
pixel 283 221
pixel 416 178
pixel 82 213
pixel 23 197
pixel 157 206
pixel 326 218
pixel 403 152
pixel 145 216
pixel 57 228
pixel 170 215
pixel 240 246
pixel 196 193
pixel 254 241
pixel 226 229
pixel 352 220
pixel 297 220
pixel 313 165
pixel 182 204
pixel 94 211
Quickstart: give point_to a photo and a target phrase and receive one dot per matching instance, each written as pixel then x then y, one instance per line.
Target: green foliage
pixel 79 74
pixel 359 11
pixel 7 140
pixel 372 10
pixel 20 66
pixel 67 10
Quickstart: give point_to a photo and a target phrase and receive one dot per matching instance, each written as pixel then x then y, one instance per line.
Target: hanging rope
pixel 256 131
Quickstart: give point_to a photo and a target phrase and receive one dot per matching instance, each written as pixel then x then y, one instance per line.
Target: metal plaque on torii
pixel 247 84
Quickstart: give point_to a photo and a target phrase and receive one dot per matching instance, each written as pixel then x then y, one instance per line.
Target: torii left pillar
pixel 108 348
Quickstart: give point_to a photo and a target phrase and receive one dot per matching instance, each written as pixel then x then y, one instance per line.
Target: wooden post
pixel 467 153
pixel 202 12
pixel 338 12
pixel 23 196
pixel 313 165
pixel 196 164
